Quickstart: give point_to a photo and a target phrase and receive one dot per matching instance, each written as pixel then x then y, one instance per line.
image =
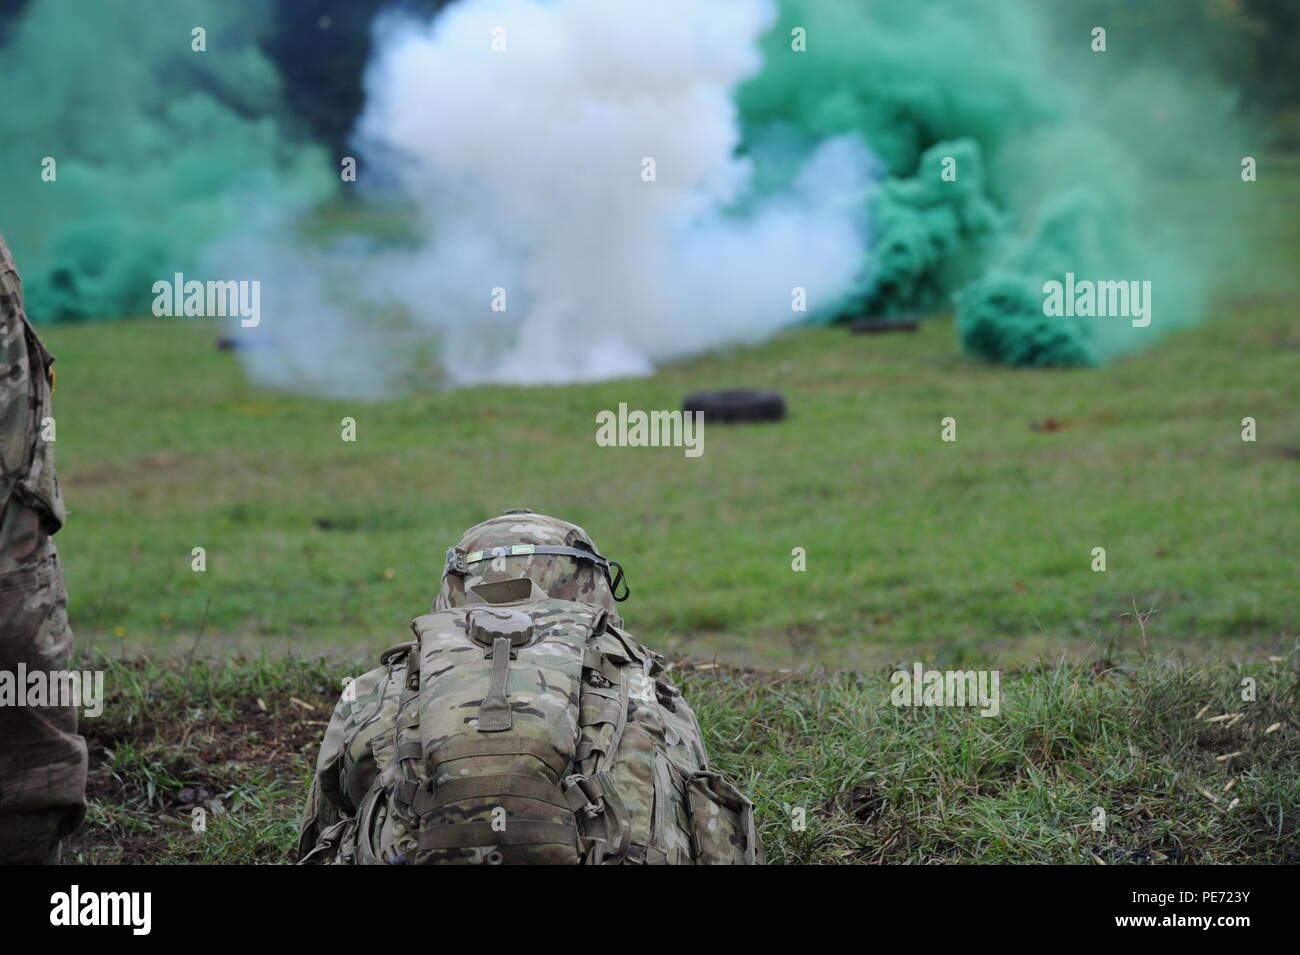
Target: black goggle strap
pixel 458 561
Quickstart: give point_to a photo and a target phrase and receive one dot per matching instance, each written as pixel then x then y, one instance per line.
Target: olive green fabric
pixel 42 759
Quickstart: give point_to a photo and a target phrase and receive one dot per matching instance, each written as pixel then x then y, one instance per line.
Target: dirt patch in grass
pixel 148 773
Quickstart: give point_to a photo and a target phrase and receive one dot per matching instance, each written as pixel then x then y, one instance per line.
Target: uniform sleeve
pixel 15 370
pixel 26 412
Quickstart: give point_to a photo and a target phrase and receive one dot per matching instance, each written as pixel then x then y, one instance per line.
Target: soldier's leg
pixel 42 759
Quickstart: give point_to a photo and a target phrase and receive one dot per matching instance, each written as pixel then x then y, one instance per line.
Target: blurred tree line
pixel 1250 46
pixel 320 48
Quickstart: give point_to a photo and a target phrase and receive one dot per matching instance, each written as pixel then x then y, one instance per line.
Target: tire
pixel 737 405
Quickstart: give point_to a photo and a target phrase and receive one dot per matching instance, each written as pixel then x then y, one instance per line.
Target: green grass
pixel 1137 737
pixel 959 551
pixel 952 553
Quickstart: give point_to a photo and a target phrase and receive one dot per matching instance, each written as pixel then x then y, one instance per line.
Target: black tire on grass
pixel 736 405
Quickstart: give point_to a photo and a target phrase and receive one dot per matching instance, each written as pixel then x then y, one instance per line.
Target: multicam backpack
pixel 523 724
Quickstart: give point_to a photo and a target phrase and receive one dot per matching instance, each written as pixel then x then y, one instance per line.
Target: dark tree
pixel 320 48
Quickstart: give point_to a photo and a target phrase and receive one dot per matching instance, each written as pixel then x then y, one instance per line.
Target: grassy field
pixel 973 550
pixel 1157 746
pixel 1120 689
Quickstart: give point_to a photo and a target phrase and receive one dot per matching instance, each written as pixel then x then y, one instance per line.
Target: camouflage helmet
pixel 560 557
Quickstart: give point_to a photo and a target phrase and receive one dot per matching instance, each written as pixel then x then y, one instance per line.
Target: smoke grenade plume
pixel 125 150
pixel 578 189
pixel 1053 145
pixel 581 211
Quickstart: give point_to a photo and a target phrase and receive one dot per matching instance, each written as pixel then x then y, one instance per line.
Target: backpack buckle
pixel 455 562
pixel 585 794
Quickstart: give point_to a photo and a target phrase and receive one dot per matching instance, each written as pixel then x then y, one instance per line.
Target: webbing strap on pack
pixel 407 752
pixel 462 835
pixel 494 713
pixel 497 787
pixel 501 746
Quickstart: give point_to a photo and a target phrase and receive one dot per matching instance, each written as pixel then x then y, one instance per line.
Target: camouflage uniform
pixel 578 580
pixel 562 743
pixel 42 759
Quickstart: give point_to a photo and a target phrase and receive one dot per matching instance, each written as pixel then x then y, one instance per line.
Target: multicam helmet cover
pixel 489 552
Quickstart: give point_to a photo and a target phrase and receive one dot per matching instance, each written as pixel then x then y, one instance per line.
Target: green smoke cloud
pixel 1053 150
pixel 161 150
pixel 158 148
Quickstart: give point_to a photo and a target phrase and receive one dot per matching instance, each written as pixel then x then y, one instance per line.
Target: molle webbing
pixel 507 746
pixel 505 784
pixel 528 832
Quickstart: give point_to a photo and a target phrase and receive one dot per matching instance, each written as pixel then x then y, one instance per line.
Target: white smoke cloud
pixel 523 167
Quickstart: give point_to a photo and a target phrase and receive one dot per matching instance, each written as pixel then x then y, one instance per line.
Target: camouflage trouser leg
pixel 42 759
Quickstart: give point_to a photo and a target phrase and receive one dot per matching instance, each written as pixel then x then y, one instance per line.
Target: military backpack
pixel 522 725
